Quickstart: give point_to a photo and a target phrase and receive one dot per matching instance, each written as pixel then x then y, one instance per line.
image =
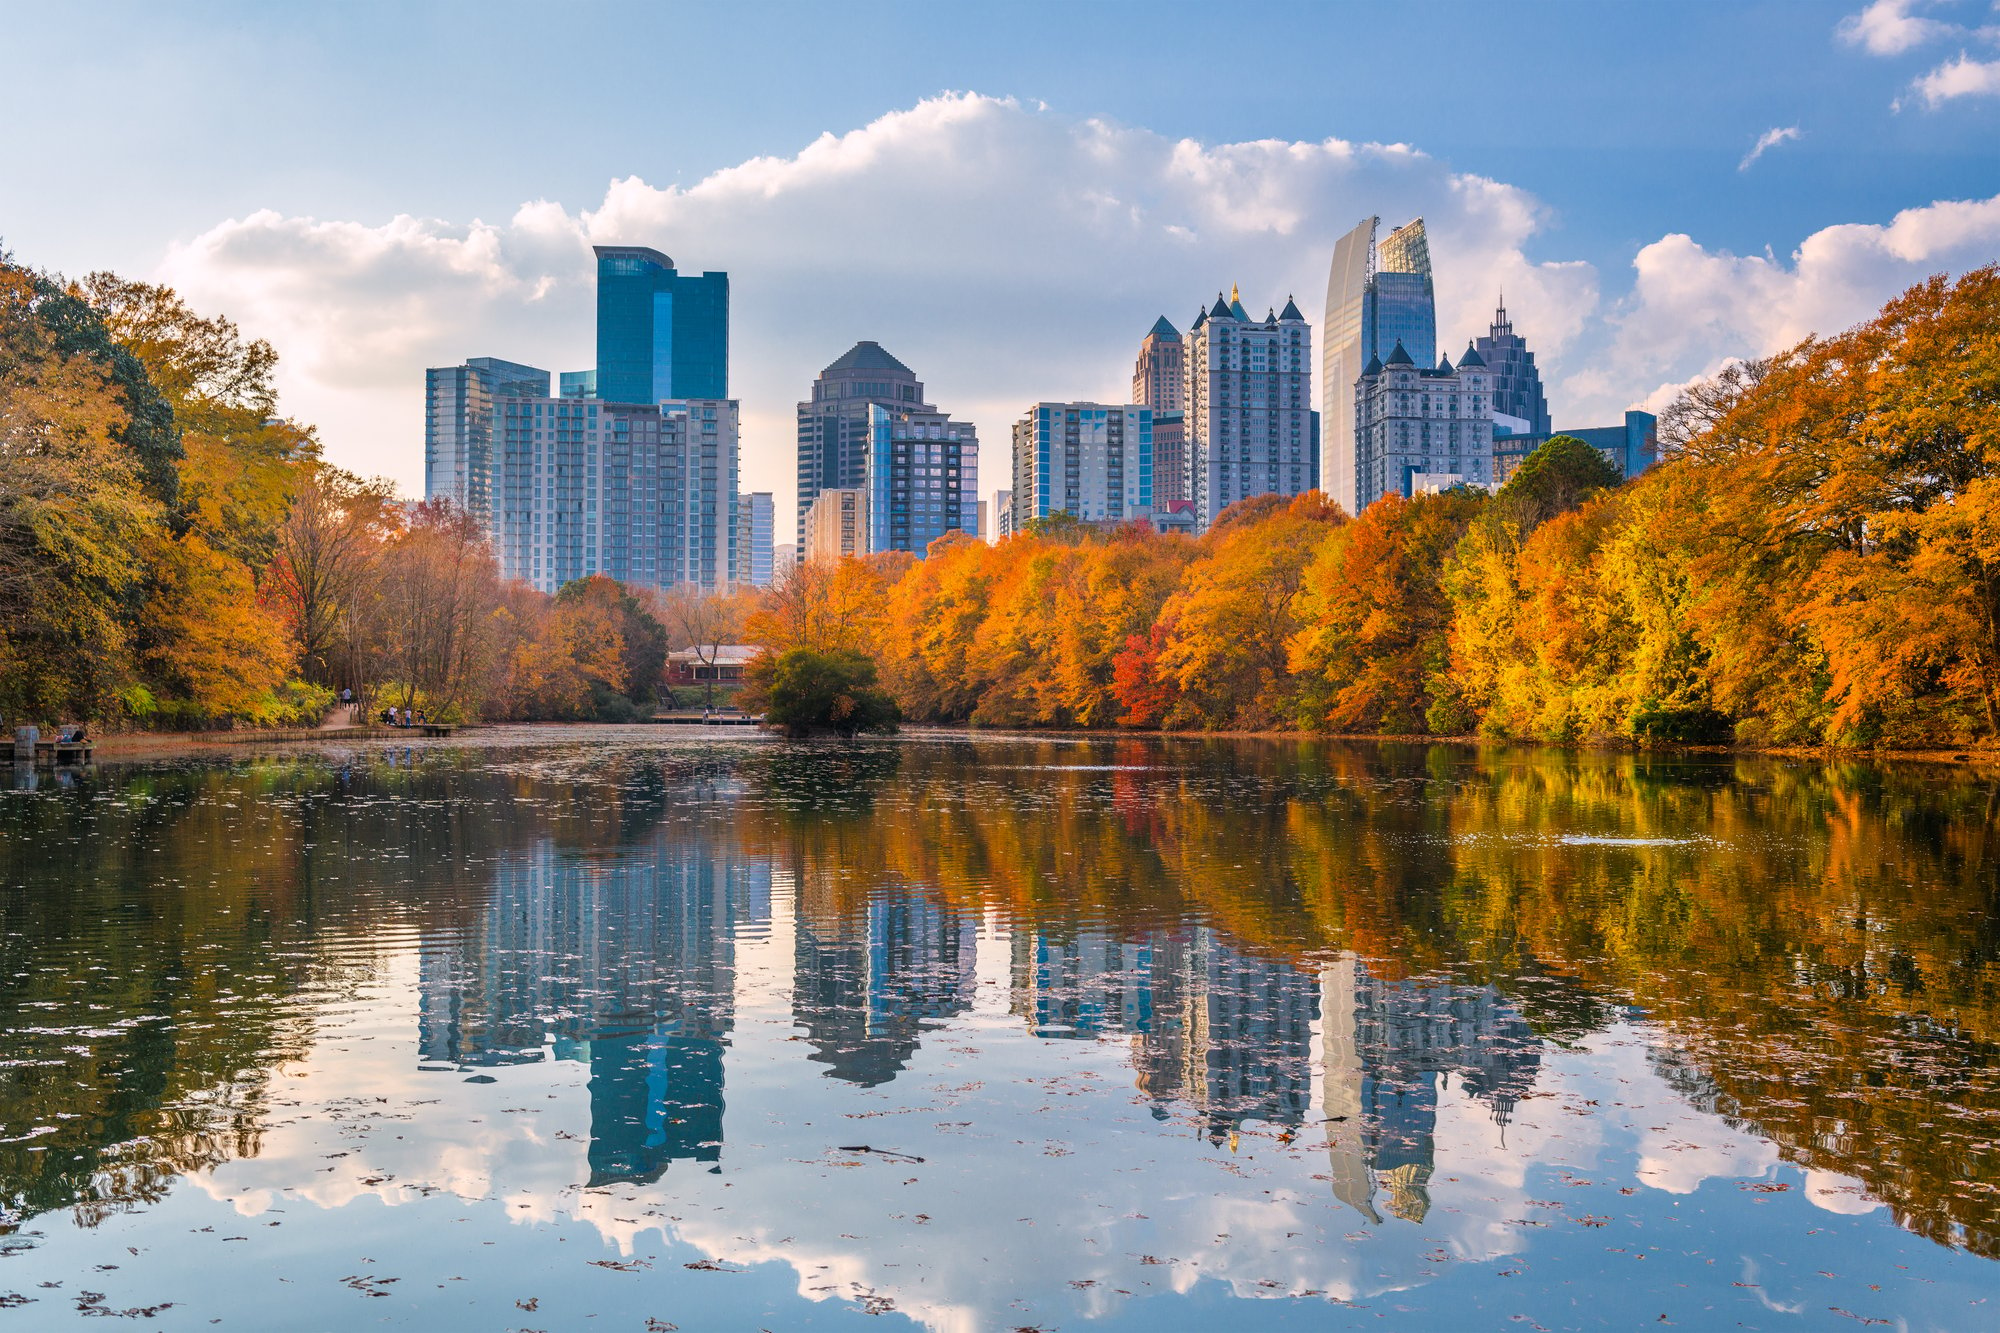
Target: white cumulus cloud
pixel 1006 252
pixel 1963 76
pixel 1890 27
pixel 1691 308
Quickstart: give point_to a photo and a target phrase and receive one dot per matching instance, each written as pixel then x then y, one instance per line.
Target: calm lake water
pixel 616 1029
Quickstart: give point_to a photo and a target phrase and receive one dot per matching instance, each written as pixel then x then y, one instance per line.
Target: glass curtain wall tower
pixel 660 334
pixel 1377 296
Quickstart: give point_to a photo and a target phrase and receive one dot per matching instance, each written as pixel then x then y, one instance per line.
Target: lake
pixel 569 1028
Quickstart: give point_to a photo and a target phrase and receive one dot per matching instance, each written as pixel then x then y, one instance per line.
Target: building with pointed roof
pixel 833 424
pixel 1248 415
pixel 1419 429
pixel 1517 384
pixel 1159 381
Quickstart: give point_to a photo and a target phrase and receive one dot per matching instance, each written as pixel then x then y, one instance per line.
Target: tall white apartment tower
pixel 1249 405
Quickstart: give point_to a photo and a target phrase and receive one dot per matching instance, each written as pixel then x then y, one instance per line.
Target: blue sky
pixel 259 156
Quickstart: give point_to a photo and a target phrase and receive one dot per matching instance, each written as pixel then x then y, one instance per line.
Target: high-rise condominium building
pixel 1091 461
pixel 1003 515
pixel 1376 297
pixel 1517 384
pixel 834 422
pixel 1419 428
pixel 784 559
pixel 1249 406
pixel 836 525
pixel 1159 377
pixel 644 492
pixel 661 334
pixel 458 427
pixel 922 478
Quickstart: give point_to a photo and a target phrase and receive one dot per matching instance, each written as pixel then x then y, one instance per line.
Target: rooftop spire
pixel 1502 326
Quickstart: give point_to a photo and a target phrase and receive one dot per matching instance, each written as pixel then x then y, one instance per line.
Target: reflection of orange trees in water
pixel 1820 956
pixel 1815 938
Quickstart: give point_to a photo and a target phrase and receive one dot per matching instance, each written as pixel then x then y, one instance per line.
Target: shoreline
pixel 138 745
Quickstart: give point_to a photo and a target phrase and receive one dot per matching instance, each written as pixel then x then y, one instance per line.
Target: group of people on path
pixel 402 717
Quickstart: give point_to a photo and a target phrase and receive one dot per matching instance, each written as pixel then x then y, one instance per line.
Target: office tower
pixel 660 334
pixel 578 384
pixel 1404 308
pixel 1419 429
pixel 922 478
pixel 643 492
pixel 1517 384
pixel 1158 380
pixel 1249 405
pixel 1003 515
pixel 833 423
pixel 1375 298
pixel 1091 461
pixel 458 427
pixel 836 525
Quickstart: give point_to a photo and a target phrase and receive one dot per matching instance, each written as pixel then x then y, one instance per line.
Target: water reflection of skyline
pixel 1350 968
pixel 624 960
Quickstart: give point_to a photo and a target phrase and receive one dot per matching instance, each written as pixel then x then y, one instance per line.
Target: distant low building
pixel 1176 516
pixel 720 664
pixel 1631 448
pixel 784 559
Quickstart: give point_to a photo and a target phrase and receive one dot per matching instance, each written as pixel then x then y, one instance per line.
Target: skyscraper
pixel 922 478
pixel 1088 460
pixel 660 334
pixel 1158 377
pixel 1375 298
pixel 1249 405
pixel 1517 384
pixel 833 423
pixel 643 492
pixel 458 427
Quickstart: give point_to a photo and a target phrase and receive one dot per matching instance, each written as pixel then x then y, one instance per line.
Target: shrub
pixel 804 692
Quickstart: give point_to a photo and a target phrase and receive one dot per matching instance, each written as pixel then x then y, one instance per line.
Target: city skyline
pixel 1711 231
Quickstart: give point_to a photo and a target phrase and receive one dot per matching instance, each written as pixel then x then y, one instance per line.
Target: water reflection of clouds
pixel 1111 1102
pixel 1054 1169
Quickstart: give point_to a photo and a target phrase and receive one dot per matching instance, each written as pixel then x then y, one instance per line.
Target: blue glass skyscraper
pixel 660 334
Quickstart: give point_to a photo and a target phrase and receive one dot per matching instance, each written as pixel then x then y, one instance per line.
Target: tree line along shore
pixel 1815 562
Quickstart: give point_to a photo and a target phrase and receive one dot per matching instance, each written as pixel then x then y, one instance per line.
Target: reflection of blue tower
pixel 654 1099
pixel 623 959
pixel 1389 1046
pixel 866 990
